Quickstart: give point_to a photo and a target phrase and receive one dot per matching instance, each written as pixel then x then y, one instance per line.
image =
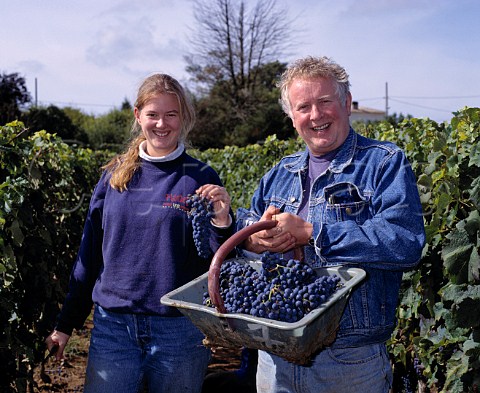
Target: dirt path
pixel 68 375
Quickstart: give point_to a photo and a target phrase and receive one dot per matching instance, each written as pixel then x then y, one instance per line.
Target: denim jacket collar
pixel 342 159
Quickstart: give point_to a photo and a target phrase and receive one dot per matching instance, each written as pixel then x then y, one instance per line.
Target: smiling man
pixel 345 200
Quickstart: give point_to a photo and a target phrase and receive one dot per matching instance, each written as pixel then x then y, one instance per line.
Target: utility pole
pixel 386 100
pixel 36 93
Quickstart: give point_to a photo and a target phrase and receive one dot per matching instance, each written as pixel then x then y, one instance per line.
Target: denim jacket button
pixel 292 199
pixel 348 210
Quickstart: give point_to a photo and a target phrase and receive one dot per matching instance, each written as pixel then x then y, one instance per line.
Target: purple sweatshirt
pixel 137 245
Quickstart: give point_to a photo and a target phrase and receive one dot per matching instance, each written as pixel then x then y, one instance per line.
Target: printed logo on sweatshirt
pixel 175 201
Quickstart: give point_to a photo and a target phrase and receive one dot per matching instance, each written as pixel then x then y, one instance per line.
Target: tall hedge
pixel 45 187
pixel 44 192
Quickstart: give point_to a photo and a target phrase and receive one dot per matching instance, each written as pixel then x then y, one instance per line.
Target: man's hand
pixel 274 240
pixel 300 229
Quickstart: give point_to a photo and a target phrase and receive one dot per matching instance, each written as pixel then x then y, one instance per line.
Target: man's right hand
pixel 273 240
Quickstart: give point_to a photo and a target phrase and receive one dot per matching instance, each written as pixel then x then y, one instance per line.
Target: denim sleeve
pixel 393 238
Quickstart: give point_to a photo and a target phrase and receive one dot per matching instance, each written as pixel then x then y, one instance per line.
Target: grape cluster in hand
pixel 201 211
pixel 282 290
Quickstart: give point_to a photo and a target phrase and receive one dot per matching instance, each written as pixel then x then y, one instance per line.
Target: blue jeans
pixel 129 352
pixel 362 369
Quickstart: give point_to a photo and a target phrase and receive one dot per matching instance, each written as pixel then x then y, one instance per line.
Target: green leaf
pixel 461 257
pixel 475 155
pixel 465 304
pixel 456 256
pixel 457 365
pixel 472 348
pixel 475 193
pixel 17 233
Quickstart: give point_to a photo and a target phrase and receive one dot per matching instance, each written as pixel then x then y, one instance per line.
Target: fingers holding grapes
pixel 221 203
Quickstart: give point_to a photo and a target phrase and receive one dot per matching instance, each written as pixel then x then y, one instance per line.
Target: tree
pixel 234 49
pixel 396 119
pixel 126 106
pixel 54 120
pixel 220 123
pixel 111 131
pixel 13 96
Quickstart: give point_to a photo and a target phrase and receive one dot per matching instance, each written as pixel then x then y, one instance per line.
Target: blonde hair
pixel 123 166
pixel 313 67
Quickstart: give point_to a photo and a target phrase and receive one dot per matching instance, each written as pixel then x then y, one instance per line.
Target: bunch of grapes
pixel 407 387
pixel 201 211
pixel 281 290
pixel 418 366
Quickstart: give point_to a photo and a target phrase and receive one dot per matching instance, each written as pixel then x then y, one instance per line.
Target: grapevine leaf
pixel 456 293
pixel 474 264
pixel 16 232
pixel 400 353
pixel 461 258
pixel 475 193
pixel 440 311
pixel 475 155
pixel 466 304
pixel 456 365
pixel 472 348
pixel 467 312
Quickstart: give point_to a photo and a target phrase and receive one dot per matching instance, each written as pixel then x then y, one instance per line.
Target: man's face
pixel 319 117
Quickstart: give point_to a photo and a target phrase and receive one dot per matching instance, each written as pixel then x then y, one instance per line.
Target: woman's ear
pixel 136 112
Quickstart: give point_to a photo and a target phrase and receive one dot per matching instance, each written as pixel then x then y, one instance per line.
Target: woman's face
pixel 161 124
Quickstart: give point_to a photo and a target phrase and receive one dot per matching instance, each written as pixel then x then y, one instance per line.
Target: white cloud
pixel 96 52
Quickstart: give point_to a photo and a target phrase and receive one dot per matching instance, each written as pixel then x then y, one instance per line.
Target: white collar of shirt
pixel 169 157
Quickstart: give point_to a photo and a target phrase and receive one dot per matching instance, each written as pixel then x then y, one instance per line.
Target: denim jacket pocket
pixel 345 201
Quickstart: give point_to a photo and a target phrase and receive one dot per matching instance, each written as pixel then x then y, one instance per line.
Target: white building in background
pixel 362 113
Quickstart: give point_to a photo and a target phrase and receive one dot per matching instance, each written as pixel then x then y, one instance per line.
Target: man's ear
pixel 348 103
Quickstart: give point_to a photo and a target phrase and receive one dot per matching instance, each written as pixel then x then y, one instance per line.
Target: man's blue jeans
pixel 364 369
pixel 128 352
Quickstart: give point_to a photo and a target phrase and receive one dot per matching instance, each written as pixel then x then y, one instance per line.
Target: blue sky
pixel 93 54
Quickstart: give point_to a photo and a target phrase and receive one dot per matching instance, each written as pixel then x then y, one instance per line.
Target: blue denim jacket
pixel 366 213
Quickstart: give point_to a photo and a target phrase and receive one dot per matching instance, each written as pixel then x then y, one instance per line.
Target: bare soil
pixel 68 375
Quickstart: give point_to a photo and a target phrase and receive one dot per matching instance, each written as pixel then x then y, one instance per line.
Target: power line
pixel 417 98
pixel 76 104
pixel 436 98
pixel 420 106
pixel 388 97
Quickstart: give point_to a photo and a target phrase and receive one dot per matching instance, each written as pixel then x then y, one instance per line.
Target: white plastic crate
pixel 295 342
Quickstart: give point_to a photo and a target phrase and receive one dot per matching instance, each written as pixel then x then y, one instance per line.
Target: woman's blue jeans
pixel 349 370
pixel 129 352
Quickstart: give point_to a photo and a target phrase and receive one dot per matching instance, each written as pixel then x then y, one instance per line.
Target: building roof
pixel 365 110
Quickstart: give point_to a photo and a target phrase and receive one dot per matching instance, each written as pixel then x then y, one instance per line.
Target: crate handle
pixel 222 252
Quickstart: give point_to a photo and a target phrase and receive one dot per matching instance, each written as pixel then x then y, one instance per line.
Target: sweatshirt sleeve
pixel 78 302
pixel 218 235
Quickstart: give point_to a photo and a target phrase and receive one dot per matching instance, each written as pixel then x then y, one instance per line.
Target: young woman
pixel 138 245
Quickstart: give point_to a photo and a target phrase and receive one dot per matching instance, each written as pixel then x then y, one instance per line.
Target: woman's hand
pixel 221 203
pixel 59 339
